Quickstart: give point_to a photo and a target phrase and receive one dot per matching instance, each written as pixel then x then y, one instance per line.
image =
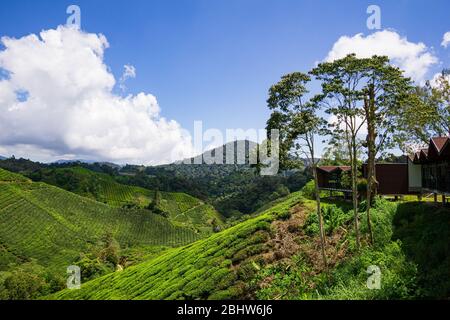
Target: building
pixel 427 171
pixel 330 178
pixel 434 165
pixel 393 178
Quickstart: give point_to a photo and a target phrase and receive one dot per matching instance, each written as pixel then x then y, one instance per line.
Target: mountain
pixel 233 153
pixel 2 158
pixel 234 189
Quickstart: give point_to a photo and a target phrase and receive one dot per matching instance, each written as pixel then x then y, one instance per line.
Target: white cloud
pixel 446 39
pixel 70 110
pixel 437 79
pixel 415 59
pixel 129 72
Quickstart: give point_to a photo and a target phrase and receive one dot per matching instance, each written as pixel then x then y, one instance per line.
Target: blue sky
pixel 214 60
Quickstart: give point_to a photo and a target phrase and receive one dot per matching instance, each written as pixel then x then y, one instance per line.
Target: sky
pixel 129 85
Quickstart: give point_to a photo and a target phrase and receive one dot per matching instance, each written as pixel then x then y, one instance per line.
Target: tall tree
pixel 341 98
pixel 367 90
pixel 384 90
pixel 298 123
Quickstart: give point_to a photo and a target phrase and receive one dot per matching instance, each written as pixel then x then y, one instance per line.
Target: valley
pixel 127 251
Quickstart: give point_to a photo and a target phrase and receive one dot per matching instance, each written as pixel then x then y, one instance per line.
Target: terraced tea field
pixel 185 210
pixel 182 209
pixel 207 268
pixel 98 186
pixel 53 226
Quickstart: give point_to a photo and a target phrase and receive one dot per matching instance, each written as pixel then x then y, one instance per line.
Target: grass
pixel 411 250
pixel 206 269
pixel 51 225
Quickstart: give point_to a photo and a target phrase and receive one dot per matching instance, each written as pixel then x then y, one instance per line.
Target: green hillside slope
pixel 99 186
pixel 276 255
pixel 52 226
pixel 207 268
pixel 182 209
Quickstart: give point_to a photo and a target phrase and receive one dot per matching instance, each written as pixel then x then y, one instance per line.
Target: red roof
pixel 333 168
pixel 439 142
pixel 435 150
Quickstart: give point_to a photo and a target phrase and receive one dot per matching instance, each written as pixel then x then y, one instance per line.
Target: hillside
pixel 204 269
pixel 98 186
pixel 53 226
pixel 182 209
pixel 276 255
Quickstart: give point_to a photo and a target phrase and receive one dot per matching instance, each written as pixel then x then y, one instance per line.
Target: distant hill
pixel 20 165
pixel 2 158
pixel 110 164
pixel 234 189
pixel 233 153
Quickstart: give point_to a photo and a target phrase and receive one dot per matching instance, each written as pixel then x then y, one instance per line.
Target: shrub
pixel 382 215
pixel 29 281
pixel 333 217
pixel 284 215
pixel 92 268
pixel 308 191
pixel 22 285
pixel 362 186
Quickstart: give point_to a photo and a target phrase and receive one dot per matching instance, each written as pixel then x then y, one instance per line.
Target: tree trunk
pixel 319 215
pixel 369 106
pixel 355 189
pixel 370 170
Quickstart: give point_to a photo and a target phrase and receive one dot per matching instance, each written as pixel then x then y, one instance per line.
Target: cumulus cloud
pixel 446 39
pixel 415 59
pixel 57 101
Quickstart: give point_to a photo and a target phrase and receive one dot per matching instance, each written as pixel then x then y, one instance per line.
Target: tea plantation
pixel 205 269
pixel 52 226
